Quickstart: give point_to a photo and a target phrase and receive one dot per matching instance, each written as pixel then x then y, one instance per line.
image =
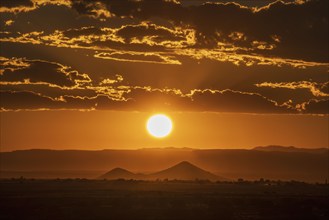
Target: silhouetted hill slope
pixel 119 173
pixel 185 171
pixel 181 171
pixel 231 163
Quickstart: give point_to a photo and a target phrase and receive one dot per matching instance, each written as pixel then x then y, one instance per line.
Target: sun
pixel 159 125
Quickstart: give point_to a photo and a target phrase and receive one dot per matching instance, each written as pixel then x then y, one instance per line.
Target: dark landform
pixel 168 199
pixel 181 171
pixel 271 162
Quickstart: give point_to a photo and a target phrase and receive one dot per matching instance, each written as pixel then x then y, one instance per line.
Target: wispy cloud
pixel 317 89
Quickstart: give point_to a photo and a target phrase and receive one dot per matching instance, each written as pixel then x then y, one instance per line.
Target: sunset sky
pixel 84 74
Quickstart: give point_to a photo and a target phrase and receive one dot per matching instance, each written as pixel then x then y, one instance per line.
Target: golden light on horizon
pixel 159 125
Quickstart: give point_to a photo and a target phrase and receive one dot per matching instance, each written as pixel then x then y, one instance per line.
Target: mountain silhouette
pixel 271 162
pixel 185 171
pixel 181 171
pixel 290 149
pixel 119 173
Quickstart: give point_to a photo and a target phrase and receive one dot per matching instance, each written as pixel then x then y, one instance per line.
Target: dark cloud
pixel 295 92
pixel 253 3
pixel 204 100
pixel 16 3
pixel 77 32
pixel 227 58
pixel 235 101
pixel 152 99
pixel 49 17
pixel 324 87
pixel 96 102
pixel 296 31
pixel 107 44
pixel 317 106
pixel 139 31
pixel 145 57
pixel 148 99
pixel 38 71
pixel 28 100
pixel 22 100
pixel 52 92
pixel 231 32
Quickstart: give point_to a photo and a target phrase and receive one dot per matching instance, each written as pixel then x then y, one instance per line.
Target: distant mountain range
pixel 272 162
pixel 291 149
pixel 181 171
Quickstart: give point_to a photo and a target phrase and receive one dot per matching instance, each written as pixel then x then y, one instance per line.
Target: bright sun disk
pixel 159 125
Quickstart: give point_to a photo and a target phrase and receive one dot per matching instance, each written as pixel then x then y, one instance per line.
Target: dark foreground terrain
pixel 128 199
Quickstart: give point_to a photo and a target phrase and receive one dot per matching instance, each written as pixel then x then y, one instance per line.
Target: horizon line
pixel 167 148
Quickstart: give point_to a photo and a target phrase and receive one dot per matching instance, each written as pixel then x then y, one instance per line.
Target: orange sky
pixel 74 74
pixel 109 129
